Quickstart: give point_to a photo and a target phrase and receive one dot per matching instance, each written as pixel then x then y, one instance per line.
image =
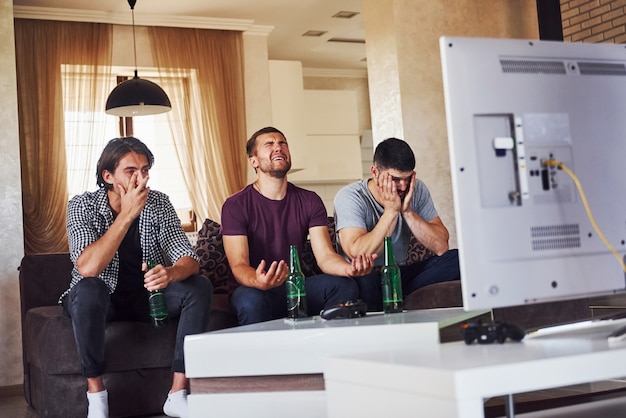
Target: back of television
pixel 525 120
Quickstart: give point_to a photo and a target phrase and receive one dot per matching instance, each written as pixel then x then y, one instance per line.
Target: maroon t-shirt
pixel 272 225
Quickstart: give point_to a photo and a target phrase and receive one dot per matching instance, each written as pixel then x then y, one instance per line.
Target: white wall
pixel 322 128
pixel 11 229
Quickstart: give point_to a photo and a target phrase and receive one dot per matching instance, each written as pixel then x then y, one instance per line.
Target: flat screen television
pixel 515 108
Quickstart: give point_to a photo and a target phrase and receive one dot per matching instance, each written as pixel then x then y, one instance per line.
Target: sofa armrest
pixel 43 278
pixel 438 295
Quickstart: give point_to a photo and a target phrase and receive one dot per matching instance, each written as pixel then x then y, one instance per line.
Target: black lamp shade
pixel 137 97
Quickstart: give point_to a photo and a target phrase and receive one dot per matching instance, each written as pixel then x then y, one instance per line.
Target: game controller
pixel 344 310
pixel 487 333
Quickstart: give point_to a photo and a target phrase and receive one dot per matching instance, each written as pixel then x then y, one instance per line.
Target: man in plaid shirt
pixel 113 233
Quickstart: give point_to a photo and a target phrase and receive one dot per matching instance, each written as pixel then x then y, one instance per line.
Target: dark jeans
pixel 435 269
pixel 89 306
pixel 253 305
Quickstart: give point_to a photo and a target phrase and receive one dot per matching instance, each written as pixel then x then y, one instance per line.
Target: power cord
pixel 587 209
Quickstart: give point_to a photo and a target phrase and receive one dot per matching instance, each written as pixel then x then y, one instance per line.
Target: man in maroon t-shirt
pixel 260 222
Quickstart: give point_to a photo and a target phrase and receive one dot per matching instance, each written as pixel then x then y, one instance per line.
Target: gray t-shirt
pixel 355 207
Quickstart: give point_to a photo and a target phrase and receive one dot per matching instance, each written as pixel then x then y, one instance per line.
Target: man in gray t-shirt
pixel 393 203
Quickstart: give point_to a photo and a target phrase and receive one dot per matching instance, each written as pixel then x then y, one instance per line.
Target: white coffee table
pixel 270 368
pixel 453 380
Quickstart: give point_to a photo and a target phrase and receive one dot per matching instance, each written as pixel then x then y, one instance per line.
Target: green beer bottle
pixel 391 283
pixel 296 292
pixel 156 301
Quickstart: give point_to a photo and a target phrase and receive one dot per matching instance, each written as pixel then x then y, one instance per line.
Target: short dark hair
pixel 251 144
pixel 114 151
pixel 394 153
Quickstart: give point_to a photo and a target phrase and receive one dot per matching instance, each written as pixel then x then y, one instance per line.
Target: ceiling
pixel 283 21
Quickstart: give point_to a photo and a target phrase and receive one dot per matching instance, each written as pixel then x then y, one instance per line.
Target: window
pixel 88 128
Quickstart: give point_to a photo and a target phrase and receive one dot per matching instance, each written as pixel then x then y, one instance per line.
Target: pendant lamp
pixel 136 96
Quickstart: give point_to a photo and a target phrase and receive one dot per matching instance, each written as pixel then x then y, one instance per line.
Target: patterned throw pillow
pixel 417 251
pixel 307 259
pixel 213 262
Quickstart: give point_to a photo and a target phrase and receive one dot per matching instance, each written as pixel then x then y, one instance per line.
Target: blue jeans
pixel 435 269
pixel 253 305
pixel 90 307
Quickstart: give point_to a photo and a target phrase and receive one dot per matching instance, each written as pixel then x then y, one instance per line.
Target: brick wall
pixel 594 20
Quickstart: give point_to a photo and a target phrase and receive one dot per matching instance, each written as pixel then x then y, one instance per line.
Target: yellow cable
pixel 589 215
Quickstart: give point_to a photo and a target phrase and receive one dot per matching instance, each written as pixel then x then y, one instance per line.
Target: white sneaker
pixel 98 404
pixel 176 404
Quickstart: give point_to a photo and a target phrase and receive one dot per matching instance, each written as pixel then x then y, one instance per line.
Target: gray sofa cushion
pixel 127 344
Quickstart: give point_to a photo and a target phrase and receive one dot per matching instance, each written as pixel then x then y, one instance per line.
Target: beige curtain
pixel 43 48
pixel 86 133
pixel 202 71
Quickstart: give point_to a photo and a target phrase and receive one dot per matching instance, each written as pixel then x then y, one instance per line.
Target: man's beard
pixel 278 173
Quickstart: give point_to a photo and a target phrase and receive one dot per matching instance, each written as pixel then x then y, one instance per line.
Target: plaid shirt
pixel 162 237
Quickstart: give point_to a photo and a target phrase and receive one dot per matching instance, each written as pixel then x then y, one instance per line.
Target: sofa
pixel 138 356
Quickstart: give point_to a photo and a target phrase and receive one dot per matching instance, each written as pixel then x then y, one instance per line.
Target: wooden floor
pixel 13 405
